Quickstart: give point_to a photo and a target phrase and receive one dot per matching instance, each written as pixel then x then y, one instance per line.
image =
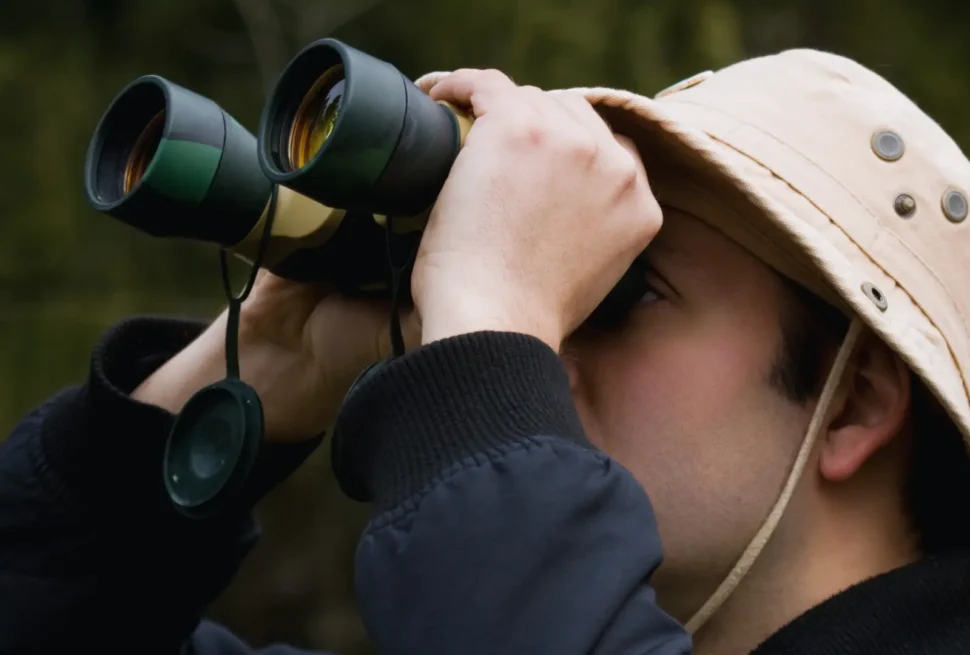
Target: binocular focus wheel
pixel 213 447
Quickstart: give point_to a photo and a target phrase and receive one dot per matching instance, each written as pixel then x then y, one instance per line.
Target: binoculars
pixel 344 141
pixel 339 180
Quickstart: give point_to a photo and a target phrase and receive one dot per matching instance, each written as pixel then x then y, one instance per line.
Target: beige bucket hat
pixel 828 173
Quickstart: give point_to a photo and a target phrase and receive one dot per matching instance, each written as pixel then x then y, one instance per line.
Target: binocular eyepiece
pixel 345 143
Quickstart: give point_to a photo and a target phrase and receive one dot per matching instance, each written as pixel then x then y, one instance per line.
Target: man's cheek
pixel 684 379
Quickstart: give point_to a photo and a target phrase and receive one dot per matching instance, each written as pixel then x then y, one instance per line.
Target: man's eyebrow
pixel 675 264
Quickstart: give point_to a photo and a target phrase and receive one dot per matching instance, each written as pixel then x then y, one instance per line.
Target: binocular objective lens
pixel 315 117
pixel 143 152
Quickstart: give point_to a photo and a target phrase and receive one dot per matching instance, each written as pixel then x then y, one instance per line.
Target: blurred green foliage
pixel 66 273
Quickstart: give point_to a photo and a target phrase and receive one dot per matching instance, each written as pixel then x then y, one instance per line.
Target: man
pixel 785 409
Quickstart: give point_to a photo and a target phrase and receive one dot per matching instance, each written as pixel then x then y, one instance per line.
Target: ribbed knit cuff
pixel 411 418
pixel 103 443
pixel 109 447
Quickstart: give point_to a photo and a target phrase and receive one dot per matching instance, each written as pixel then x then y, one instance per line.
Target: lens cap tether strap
pixel 345 443
pixel 397 274
pixel 216 438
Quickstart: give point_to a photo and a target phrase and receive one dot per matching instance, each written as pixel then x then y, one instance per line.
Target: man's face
pixel 681 396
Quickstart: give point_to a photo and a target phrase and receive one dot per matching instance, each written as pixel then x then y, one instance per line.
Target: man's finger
pixel 479 90
pixel 429 80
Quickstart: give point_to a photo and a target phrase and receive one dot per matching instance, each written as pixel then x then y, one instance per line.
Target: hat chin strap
pixel 815 426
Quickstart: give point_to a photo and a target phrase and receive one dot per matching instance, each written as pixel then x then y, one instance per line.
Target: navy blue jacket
pixel 496 526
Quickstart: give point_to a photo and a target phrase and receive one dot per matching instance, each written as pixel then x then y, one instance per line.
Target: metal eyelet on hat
pixel 877 297
pixel 888 145
pixel 905 205
pixel 954 206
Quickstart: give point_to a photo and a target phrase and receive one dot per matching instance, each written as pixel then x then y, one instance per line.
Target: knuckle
pixel 585 147
pixel 527 132
pixel 577 151
pixel 626 170
pixel 627 175
pixel 576 143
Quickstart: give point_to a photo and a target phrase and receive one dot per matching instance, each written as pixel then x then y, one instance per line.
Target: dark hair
pixel 939 475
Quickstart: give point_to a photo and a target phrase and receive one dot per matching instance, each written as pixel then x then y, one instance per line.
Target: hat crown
pixel 853 125
pixel 862 152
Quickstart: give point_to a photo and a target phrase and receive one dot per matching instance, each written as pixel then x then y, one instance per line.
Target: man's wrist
pixel 263 365
pixel 418 415
pixel 199 364
pixel 98 423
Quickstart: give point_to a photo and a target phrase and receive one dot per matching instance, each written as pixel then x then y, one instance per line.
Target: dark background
pixel 67 273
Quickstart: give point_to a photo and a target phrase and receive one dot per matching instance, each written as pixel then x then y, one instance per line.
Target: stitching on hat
pixel 959 365
pixel 883 234
pixel 822 170
pixel 848 191
pixel 835 224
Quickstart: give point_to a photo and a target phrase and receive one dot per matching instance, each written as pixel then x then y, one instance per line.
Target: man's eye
pixel 649 296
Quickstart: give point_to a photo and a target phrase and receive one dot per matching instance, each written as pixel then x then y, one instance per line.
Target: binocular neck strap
pixel 235 302
pixel 815 426
pixel 398 273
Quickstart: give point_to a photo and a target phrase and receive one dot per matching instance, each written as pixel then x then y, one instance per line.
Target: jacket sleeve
pixel 497 527
pixel 92 558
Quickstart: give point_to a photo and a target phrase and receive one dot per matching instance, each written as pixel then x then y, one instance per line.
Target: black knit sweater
pixel 920 609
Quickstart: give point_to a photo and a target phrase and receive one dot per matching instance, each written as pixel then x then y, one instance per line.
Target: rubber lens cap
pixel 212 448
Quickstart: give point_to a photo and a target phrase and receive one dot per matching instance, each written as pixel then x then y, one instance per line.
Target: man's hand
pixel 542 213
pixel 300 347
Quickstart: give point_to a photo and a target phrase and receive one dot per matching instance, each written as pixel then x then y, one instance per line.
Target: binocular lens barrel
pixel 351 131
pixel 172 163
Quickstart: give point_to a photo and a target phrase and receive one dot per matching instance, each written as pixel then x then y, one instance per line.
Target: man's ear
pixel 872 409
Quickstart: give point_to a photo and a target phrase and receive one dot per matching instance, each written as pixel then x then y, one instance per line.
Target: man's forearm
pixel 88 541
